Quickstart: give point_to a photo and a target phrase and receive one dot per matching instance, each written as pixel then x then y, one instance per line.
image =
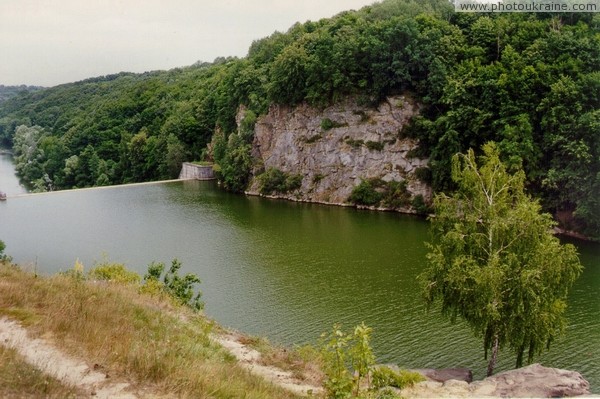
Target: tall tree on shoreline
pixel 494 262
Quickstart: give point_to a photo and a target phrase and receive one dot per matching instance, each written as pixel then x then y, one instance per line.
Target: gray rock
pixel 443 375
pixel 291 139
pixel 533 381
pixel 539 381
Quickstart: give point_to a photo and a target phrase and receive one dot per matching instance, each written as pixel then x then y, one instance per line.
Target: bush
pixel 276 181
pixel 375 145
pixel 339 350
pixel 420 206
pixel 375 192
pixel 181 289
pixel 114 272
pixel 424 174
pixel 354 143
pixel 3 256
pixel 386 377
pixel 328 124
pixel 365 194
pixel 396 194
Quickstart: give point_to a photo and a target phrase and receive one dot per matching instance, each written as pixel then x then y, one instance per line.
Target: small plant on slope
pixel 181 289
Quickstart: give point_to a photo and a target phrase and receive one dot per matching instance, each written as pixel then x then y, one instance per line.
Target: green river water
pixel 283 270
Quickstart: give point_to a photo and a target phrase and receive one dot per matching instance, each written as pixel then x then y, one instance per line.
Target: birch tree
pixel 494 261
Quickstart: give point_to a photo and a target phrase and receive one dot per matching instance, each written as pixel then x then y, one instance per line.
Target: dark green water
pixel 284 270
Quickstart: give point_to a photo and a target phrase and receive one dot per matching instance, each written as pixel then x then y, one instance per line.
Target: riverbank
pixel 125 343
pixel 75 336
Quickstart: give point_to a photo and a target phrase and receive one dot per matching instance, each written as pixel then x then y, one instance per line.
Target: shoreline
pixel 148 183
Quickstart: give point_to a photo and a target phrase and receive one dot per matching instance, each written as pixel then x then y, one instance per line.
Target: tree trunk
pixel 492 362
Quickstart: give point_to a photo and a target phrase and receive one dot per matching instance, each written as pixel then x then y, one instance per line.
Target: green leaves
pixel 180 288
pixel 339 351
pixel 494 261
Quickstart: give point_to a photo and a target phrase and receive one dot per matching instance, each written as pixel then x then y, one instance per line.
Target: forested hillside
pixel 531 82
pixel 7 92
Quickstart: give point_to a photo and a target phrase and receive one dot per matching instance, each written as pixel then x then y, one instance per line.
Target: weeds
pixel 348 362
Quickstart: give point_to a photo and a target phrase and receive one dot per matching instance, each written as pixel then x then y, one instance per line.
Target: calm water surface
pixel 9 183
pixel 283 270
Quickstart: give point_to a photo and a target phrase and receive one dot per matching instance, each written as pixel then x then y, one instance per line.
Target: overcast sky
pixel 48 42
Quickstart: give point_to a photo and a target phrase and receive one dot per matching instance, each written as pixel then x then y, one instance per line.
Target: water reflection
pixel 284 270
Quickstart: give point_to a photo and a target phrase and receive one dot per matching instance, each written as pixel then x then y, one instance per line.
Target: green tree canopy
pixel 494 261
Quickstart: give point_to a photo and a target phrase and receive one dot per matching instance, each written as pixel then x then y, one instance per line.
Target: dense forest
pixel 7 92
pixel 530 82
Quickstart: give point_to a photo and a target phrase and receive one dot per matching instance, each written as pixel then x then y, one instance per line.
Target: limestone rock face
pixel 534 381
pixel 336 147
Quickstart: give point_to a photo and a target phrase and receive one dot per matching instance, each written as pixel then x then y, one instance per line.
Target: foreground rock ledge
pixel 534 381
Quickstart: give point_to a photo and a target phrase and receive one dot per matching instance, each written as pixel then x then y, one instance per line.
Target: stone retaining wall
pixel 198 172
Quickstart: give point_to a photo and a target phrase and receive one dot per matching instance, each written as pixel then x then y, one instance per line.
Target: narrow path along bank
pixel 50 360
pixel 44 356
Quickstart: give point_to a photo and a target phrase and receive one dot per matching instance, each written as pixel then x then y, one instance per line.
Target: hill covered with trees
pixel 530 82
pixel 7 92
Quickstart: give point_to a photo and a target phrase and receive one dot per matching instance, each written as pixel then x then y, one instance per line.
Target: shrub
pixel 420 206
pixel 365 194
pixel 181 289
pixel 386 377
pixel 3 256
pixel 354 143
pixel 276 181
pixel 424 174
pixel 328 124
pixel 396 194
pixel 374 192
pixel 115 272
pixel 375 145
pixel 364 117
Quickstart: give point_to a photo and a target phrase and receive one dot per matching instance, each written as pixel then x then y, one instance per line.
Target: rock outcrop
pixel 443 375
pixel 534 381
pixel 333 149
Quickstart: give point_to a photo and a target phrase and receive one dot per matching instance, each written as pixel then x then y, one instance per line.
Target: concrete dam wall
pixel 198 172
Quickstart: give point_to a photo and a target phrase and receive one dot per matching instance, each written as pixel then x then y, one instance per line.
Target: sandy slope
pixel 75 372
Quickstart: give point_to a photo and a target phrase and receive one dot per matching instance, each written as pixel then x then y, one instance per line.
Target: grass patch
pixel 18 379
pixel 142 337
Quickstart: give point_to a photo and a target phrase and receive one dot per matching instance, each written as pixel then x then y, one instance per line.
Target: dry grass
pixel 18 379
pixel 304 362
pixel 144 339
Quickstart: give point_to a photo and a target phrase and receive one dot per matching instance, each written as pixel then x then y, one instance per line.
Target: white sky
pixel 48 42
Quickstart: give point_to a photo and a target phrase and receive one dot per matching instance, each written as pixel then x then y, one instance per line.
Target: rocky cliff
pixel 333 149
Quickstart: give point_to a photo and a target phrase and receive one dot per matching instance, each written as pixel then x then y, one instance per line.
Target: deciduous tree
pixel 494 261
